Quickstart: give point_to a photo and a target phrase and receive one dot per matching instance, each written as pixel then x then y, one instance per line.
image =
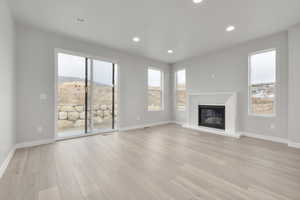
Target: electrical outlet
pixel 43 96
pixel 272 126
pixel 213 76
pixel 138 118
pixel 39 129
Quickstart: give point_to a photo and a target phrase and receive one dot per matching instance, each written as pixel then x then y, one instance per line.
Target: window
pixel 262 83
pixel 180 90
pixel 155 92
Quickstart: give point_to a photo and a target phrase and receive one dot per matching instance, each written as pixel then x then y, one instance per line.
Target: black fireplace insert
pixel 211 116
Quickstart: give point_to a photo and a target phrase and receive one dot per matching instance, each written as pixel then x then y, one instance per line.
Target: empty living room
pixel 150 100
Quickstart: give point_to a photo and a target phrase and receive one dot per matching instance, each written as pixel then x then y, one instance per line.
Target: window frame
pixel 161 86
pixel 250 113
pixel 175 79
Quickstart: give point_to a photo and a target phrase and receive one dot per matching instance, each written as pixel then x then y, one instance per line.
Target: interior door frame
pixel 87 56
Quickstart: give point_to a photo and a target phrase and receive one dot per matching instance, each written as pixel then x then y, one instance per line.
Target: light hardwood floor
pixel 165 162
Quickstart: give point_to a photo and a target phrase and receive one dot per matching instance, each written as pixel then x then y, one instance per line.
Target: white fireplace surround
pixel 227 99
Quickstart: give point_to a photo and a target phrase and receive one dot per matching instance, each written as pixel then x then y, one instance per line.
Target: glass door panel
pixel 71 95
pixel 115 97
pixel 102 95
pixel 89 85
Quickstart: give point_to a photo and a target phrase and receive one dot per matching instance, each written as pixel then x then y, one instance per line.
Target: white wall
pixel 35 75
pixel 294 83
pixel 7 79
pixel 230 67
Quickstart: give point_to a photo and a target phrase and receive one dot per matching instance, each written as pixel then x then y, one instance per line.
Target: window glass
pixel 154 89
pixel 262 83
pixel 180 89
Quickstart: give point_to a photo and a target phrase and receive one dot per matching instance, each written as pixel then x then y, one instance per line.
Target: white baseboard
pixel 265 137
pixel 143 126
pixel 212 130
pixel 6 162
pixel 294 145
pixel 273 139
pixel 34 143
pixel 177 122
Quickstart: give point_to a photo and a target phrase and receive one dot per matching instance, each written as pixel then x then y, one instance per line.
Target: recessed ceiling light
pixel 170 51
pixel 230 28
pixel 136 39
pixel 80 20
pixel 197 1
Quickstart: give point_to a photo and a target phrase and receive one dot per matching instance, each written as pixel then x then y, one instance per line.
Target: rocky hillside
pixel 263 98
pixel 71 99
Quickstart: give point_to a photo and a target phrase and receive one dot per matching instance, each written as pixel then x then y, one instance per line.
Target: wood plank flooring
pixel 164 162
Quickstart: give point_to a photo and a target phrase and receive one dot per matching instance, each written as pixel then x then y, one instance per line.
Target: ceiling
pixel 187 28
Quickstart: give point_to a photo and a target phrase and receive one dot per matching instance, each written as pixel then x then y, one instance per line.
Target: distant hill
pixel 64 79
pixel 263 90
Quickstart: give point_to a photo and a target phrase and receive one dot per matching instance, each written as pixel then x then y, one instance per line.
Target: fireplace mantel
pixel 227 99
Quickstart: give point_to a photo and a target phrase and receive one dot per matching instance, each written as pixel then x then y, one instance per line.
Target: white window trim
pixel 250 113
pixel 175 89
pixel 162 77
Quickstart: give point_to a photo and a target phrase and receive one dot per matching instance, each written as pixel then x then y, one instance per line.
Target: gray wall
pixel 230 67
pixel 294 83
pixel 35 75
pixel 7 80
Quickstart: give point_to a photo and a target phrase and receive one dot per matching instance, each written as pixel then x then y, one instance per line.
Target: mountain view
pixel 262 96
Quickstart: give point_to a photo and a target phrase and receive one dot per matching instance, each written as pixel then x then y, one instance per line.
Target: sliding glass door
pixel 102 95
pixel 71 95
pixel 86 95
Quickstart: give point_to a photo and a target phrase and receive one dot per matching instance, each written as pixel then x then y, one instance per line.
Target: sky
pixel 74 66
pixel 154 78
pixel 180 77
pixel 263 67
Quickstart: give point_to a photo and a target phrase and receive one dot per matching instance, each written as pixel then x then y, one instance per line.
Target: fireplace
pixel 211 116
pixel 221 105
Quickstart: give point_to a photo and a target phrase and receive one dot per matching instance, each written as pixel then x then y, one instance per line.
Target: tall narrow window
pixel 262 83
pixel 180 90
pixel 155 90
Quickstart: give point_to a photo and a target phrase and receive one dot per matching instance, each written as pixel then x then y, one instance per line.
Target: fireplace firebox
pixel 211 116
